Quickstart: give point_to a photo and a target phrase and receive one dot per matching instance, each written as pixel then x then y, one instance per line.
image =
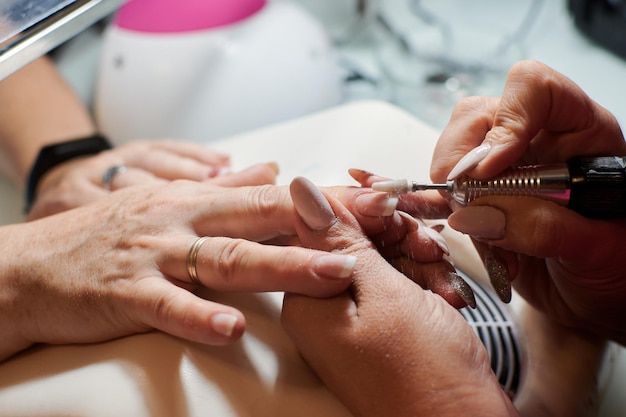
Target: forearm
pixel 38 108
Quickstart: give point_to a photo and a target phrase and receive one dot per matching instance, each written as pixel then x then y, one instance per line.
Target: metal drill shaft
pixel 550 182
pixel 422 186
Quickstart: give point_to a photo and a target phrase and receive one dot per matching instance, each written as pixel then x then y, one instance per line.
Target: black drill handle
pixel 598 186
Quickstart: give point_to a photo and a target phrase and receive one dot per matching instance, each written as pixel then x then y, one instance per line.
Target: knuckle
pixel 229 259
pixel 264 201
pixel 161 308
pixel 470 105
pixel 530 69
pixel 545 232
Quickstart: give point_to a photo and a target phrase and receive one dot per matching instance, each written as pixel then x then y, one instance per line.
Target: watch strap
pixel 54 154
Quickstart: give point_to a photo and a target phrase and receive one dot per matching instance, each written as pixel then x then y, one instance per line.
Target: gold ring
pixel 192 259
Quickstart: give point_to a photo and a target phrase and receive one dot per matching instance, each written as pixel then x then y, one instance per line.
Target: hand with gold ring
pixel 128 262
pixel 83 180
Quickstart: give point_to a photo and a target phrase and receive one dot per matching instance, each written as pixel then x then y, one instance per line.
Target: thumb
pixel 534 227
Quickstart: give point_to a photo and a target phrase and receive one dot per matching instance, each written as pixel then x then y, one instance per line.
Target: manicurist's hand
pixel 566 265
pixel 385 346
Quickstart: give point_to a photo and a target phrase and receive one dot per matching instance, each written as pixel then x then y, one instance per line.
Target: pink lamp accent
pixel 170 16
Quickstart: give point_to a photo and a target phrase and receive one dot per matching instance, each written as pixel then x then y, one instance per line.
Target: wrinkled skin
pixel 385 346
pixel 79 181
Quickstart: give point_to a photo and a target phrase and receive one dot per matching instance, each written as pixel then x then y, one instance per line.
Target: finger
pixel 195 151
pixel 225 264
pixel 535 227
pixel 501 266
pixel 539 104
pixel 255 213
pixel 421 242
pixel 328 225
pixel 470 121
pixel 398 234
pixel 365 178
pixel 171 166
pixel 132 177
pixel 62 198
pixel 439 277
pixel 424 204
pixel 180 313
pixel 376 213
pixel 259 174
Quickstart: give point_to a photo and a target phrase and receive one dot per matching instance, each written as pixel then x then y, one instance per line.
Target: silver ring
pixel 192 259
pixel 110 173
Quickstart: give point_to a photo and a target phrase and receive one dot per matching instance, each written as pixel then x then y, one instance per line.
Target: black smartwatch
pixel 57 153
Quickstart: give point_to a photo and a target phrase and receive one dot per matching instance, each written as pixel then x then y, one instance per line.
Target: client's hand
pixel 385 346
pixel 124 265
pixel 80 181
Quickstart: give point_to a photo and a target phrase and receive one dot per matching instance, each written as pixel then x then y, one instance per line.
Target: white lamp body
pixel 204 84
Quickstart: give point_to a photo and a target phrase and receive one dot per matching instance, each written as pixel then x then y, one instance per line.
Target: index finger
pixel 544 110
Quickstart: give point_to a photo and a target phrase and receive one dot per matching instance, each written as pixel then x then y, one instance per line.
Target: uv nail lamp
pixel 202 69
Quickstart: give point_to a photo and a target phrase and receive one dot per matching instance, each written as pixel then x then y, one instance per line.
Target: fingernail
pixel 479 221
pixel 376 204
pixel 437 238
pixel 219 171
pixel 463 289
pixel 469 161
pixel 438 227
pixel 498 275
pixel 224 323
pixel 359 174
pixel 364 177
pixel 412 224
pixel 274 166
pixel 434 235
pixel 311 204
pixel 334 265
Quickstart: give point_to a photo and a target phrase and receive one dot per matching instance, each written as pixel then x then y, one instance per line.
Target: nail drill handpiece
pixel 592 186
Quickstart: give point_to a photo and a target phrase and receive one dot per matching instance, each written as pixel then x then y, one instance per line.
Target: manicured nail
pixel 274 166
pixel 463 289
pixel 219 171
pixel 498 275
pixel 311 204
pixel 484 222
pixel 334 265
pixel 418 224
pixel 376 204
pixel 438 239
pixel 435 236
pixel 469 161
pixel 365 178
pixel 224 323
pixel 411 221
pixel 438 227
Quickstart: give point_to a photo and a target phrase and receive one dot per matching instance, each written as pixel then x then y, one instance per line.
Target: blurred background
pixel 422 55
